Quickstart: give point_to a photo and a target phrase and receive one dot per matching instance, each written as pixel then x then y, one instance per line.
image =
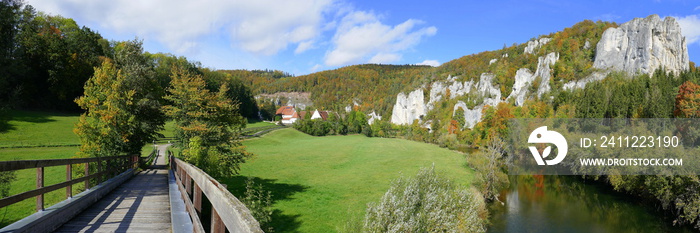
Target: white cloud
pixel 261 26
pixel 697 8
pixel 384 58
pixel 316 67
pixel 690 28
pixel 433 63
pixel 361 35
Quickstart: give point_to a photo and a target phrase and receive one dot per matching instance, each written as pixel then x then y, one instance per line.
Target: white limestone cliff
pixel 642 46
pixel 535 44
pixel 524 79
pixel 408 108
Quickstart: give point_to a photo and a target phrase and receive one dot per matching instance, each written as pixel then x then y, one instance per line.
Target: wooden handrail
pixel 228 213
pixel 130 161
pixel 150 157
pixel 26 164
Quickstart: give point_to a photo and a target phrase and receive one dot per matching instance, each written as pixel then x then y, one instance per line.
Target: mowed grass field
pixel 42 136
pixel 26 129
pixel 320 183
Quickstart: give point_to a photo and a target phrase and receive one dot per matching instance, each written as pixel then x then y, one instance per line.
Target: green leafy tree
pixel 492 177
pixel 9 20
pixel 148 94
pixel 207 124
pixel 107 126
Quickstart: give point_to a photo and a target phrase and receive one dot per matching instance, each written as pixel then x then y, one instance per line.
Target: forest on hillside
pixel 45 61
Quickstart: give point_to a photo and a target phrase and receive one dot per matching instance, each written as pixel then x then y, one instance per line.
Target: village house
pixel 289 115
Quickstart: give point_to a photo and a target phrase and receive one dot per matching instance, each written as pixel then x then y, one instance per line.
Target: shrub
pixel 426 203
pixel 259 202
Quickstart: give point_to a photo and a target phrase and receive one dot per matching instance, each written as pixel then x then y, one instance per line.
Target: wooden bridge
pixel 169 195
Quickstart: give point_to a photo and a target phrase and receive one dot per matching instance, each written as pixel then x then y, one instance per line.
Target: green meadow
pixel 36 135
pixel 318 184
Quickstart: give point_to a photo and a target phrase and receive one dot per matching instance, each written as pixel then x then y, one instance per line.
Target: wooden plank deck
pixel 141 204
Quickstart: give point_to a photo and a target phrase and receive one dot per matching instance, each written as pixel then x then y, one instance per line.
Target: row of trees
pixel 354 122
pixel 44 59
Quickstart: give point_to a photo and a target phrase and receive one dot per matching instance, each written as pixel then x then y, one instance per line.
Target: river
pixel 568 204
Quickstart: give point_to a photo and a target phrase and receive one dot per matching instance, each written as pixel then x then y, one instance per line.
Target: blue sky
pixel 304 36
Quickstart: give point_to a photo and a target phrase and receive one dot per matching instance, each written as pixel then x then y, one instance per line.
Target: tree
pixel 207 124
pixel 57 57
pixel 426 203
pixel 148 94
pixel 9 67
pixel 688 101
pixel 688 106
pixel 492 178
pixel 107 127
pixel 459 117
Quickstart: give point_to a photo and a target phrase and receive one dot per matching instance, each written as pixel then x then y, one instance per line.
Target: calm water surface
pixel 568 204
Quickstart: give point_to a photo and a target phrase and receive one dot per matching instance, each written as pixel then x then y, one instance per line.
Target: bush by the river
pixel 427 202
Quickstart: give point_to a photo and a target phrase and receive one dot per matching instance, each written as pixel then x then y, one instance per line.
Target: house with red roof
pixel 289 115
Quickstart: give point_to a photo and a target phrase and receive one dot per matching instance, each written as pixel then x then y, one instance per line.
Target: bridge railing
pixel 106 166
pixel 227 212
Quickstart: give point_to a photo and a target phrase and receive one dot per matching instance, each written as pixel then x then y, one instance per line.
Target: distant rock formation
pixel 373 117
pixel 297 99
pixel 639 46
pixel 408 108
pixel 524 79
pixel 642 46
pixel 535 44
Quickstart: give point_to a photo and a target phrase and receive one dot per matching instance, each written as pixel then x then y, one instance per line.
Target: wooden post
pixel 99 170
pixel 87 173
pixel 217 226
pixel 69 177
pixel 40 184
pixel 188 183
pixel 197 198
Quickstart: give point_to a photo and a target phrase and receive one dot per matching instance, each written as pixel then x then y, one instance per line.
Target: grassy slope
pixel 36 129
pixel 258 124
pixel 319 183
pixel 39 129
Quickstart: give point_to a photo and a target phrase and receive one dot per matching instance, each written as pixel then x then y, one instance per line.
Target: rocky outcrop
pixel 524 79
pixel 471 116
pixel 642 46
pixel 373 117
pixel 595 76
pixel 486 89
pixel 408 108
pixel 411 107
pixel 297 99
pixel 437 91
pixel 535 44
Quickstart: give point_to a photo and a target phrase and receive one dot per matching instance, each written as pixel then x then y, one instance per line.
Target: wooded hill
pixel 375 86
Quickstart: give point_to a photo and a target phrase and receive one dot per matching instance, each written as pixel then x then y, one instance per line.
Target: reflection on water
pixel 567 204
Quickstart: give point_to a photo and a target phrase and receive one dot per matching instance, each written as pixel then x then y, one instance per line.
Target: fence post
pixel 69 177
pixel 99 170
pixel 39 184
pixel 217 226
pixel 188 184
pixel 87 173
pixel 197 199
